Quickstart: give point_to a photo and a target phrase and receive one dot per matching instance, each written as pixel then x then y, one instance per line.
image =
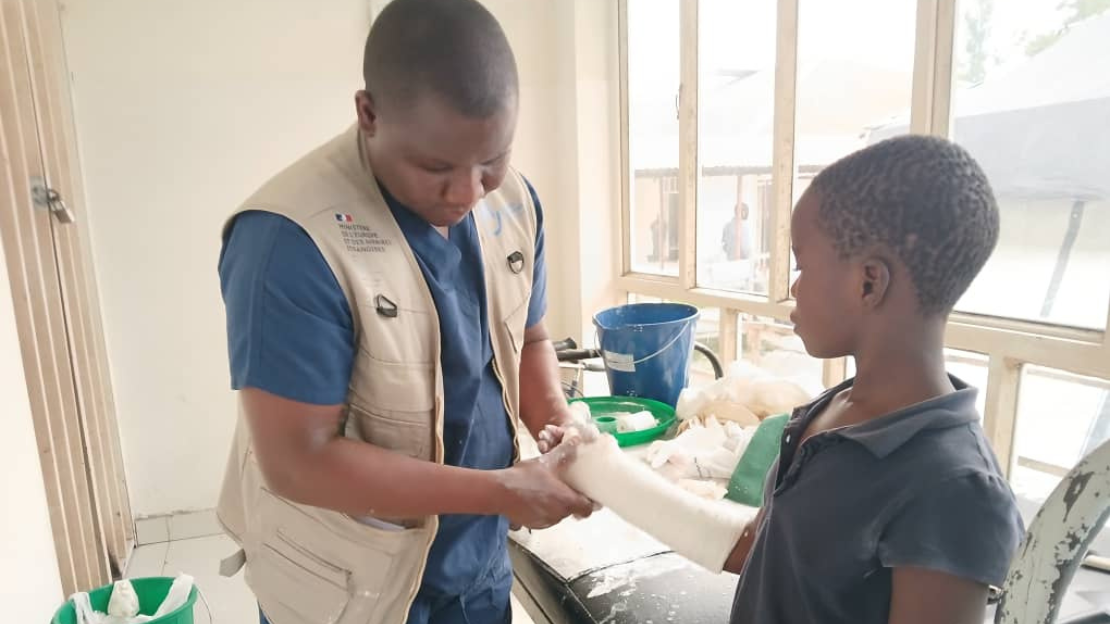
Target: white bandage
pixel 703 531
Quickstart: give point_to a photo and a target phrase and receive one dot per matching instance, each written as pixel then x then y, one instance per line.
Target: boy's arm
pixel 303 458
pixel 923 596
pixel 739 556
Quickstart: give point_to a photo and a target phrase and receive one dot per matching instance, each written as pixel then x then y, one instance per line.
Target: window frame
pixel 1009 344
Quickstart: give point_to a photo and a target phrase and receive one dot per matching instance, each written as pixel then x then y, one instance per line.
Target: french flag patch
pixel 344 218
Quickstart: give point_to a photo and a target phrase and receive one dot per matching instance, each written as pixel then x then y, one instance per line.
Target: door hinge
pixel 47 198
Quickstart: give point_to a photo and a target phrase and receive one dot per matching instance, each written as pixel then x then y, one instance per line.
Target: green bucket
pixel 151 592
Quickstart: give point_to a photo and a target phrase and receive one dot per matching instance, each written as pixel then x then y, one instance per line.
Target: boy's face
pixel 826 315
pixel 434 160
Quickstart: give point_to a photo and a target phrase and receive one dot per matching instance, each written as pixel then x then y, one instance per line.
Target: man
pixel 385 297
pixel 736 238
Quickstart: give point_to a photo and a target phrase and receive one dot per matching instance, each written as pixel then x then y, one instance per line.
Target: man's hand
pixel 536 496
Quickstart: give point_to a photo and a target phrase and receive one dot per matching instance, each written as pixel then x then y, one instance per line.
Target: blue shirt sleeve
pixel 967 526
pixel 537 303
pixel 289 328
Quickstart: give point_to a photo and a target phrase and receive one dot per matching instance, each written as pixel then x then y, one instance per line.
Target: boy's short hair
pixel 923 198
pixel 454 49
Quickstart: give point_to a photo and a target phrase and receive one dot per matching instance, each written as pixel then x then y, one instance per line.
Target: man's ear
pixel 367 113
pixel 874 281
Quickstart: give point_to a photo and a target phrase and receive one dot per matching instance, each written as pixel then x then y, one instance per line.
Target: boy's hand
pixel 569 431
pixel 536 497
pixel 550 437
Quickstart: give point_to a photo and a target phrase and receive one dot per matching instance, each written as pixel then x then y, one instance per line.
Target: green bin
pixel 151 592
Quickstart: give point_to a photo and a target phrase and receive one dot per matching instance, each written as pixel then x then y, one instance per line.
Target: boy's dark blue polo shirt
pixel 917 488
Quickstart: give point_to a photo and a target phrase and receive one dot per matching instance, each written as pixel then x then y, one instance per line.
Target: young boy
pixel 887 503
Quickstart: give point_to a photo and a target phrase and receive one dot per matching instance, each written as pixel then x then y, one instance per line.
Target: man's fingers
pixel 582 507
pixel 566 451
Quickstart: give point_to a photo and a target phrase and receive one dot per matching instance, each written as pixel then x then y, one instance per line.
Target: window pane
pixel 855 75
pixel 1028 106
pixel 1061 417
pixel 775 348
pixel 736 83
pixel 653 78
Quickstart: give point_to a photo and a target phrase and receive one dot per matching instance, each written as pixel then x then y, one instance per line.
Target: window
pixel 736 95
pixel 1061 418
pixel 732 107
pixel 653 78
pixel 774 347
pixel 845 87
pixel 1028 107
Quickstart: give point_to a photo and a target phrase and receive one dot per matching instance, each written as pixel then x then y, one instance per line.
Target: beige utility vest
pixel 308 565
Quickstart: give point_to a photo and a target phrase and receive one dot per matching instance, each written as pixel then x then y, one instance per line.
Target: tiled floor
pixel 229 599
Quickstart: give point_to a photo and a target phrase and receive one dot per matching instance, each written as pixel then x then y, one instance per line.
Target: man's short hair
pixel 923 198
pixel 453 49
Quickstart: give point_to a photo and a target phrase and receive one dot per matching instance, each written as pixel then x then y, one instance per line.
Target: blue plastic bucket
pixel 647 348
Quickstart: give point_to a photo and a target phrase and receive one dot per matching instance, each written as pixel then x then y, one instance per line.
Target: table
pixel 603 570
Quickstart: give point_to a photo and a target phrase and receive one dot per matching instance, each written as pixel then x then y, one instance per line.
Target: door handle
pixel 49 199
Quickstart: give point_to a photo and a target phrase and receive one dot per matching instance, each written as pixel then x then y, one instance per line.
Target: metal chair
pixel 1057 542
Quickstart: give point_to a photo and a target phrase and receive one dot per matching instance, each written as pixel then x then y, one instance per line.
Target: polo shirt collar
pixel 882 436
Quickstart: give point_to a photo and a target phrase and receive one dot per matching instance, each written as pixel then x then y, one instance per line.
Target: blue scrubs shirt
pixel 290 333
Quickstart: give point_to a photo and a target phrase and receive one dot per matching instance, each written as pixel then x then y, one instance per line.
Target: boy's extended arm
pixel 739 556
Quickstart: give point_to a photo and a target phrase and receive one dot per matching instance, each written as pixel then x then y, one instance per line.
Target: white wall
pixel 30 588
pixel 183 108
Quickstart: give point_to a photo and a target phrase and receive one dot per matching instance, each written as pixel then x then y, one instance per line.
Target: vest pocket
pixel 291 587
pixel 409 437
pixel 400 388
pixel 391 405
pixel 317 570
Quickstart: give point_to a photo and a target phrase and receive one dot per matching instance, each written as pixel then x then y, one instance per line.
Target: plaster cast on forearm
pixel 703 531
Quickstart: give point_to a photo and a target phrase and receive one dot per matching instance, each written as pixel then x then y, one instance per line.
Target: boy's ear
pixel 875 282
pixel 367 113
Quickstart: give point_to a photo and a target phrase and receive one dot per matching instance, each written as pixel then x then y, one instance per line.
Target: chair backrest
pixel 1056 543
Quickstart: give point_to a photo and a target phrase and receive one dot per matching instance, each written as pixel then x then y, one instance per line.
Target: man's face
pixel 434 160
pixel 825 314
